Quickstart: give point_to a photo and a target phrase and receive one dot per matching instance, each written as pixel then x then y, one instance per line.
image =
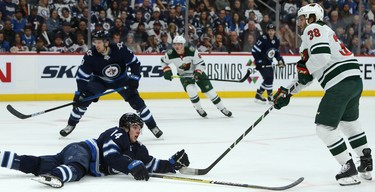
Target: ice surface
pixel 282 148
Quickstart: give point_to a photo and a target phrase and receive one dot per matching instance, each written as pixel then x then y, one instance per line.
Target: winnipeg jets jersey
pixel 186 63
pixel 110 68
pixel 265 49
pixel 328 60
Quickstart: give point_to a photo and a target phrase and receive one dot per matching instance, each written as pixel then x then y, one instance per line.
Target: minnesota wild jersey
pixel 185 63
pixel 328 60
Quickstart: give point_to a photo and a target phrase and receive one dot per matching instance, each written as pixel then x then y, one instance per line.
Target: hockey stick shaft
pixel 280 188
pixel 192 171
pixel 20 115
pixel 244 78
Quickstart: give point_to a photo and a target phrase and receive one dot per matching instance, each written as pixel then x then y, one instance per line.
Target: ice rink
pixel 282 148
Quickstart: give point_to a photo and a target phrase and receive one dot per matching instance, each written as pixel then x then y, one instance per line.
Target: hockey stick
pixel 23 116
pixel 244 78
pixel 280 188
pixel 192 171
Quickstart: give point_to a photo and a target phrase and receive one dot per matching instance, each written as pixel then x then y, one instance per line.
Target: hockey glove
pixel 80 96
pixel 134 81
pixel 281 63
pixel 179 160
pixel 167 73
pixel 138 170
pixel 198 74
pixel 304 76
pixel 281 98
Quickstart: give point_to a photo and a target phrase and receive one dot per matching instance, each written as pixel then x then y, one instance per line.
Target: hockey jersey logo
pixel 271 53
pixel 111 71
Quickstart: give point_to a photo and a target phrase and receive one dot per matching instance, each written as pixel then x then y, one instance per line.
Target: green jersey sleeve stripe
pixel 319 45
pixel 353 61
pixel 320 50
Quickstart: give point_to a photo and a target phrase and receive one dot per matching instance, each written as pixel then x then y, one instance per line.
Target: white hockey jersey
pixel 186 63
pixel 329 61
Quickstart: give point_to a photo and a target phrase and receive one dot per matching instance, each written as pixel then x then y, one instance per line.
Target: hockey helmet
pixel 270 26
pixel 311 9
pixel 101 35
pixel 179 39
pixel 129 118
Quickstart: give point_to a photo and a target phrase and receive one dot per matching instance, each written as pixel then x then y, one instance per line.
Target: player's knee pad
pixel 187 81
pixel 351 128
pixel 192 90
pixel 136 102
pixel 205 85
pixel 329 135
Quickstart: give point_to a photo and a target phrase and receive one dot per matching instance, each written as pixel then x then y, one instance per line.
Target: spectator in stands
pixel 138 19
pixel 156 31
pixel 119 28
pixel 248 46
pixel 265 21
pixel 24 7
pixel 132 45
pixel 84 16
pixel 124 6
pixel 172 18
pixel 8 31
pixel 43 9
pixel 205 45
pixel 257 25
pixel 367 32
pixel 221 4
pixel 58 45
pixel 348 36
pixel 141 36
pixel 156 17
pixel 289 12
pixel 1 21
pixel 146 10
pixel 250 30
pixel 18 22
pixel 82 29
pixel 367 48
pixel 202 23
pixel 67 17
pixel 353 46
pixel 237 8
pixel 102 18
pixel 237 24
pixel 34 19
pixel 96 7
pixel 252 7
pixel 210 34
pixel 113 11
pixel 53 22
pixel 164 45
pixel 7 7
pixel 334 21
pixel 287 40
pixel 80 45
pixel 4 44
pixel 66 34
pixel 222 20
pixel 39 46
pixel 42 34
pixel 219 45
pixel 78 9
pixel 235 44
pixel 221 30
pixel 345 16
pixel 193 37
pixel 17 45
pixel 152 45
pixel 172 31
pixel 28 38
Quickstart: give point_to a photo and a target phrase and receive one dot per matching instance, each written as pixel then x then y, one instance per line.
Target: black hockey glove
pixel 138 170
pixel 281 98
pixel 179 160
pixel 134 81
pixel 168 75
pixel 80 96
pixel 304 76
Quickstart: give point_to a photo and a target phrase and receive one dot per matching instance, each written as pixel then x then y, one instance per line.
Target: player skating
pixel 190 67
pixel 105 67
pixel 326 59
pixel 115 150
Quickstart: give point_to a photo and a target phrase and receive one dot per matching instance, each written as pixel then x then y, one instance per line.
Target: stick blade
pixel 17 113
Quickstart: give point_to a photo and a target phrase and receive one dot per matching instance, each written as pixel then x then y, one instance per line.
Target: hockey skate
pixel 226 112
pixel 201 112
pixel 260 99
pixel 49 180
pixel 67 130
pixel 348 174
pixel 365 167
pixel 156 131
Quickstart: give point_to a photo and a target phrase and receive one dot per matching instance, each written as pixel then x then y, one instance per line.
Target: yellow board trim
pixel 153 95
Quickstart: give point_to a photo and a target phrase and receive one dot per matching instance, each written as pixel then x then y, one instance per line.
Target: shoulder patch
pixel 264 37
pixel 191 48
pixel 170 51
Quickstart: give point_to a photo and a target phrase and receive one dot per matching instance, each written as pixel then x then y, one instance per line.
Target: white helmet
pixel 311 9
pixel 179 39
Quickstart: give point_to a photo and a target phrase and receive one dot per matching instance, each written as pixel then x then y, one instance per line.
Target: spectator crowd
pixel 148 26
